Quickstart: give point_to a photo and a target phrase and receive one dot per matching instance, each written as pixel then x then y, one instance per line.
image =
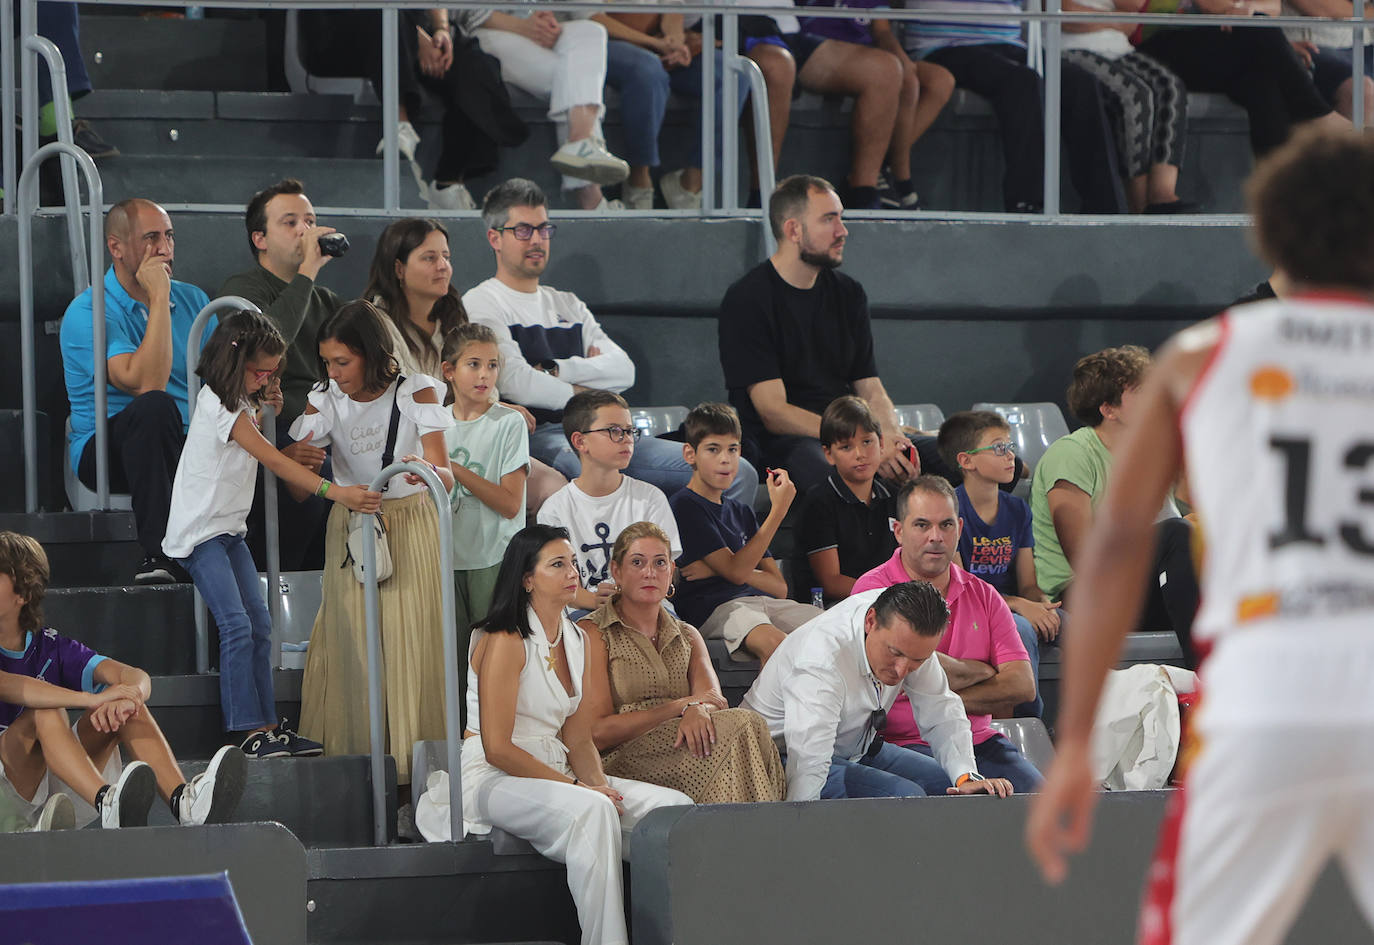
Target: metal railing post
pixel 708 113
pixel 1053 101
pixel 71 194
pixel 1357 68
pixel 233 303
pixel 28 85
pixel 28 203
pixel 729 113
pixel 763 138
pixel 439 494
pixel 9 170
pixel 391 112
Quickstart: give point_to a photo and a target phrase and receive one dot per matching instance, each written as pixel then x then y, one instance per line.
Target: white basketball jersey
pixel 1279 440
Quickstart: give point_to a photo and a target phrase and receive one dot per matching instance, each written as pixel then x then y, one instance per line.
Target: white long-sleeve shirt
pixel 546 325
pixel 818 691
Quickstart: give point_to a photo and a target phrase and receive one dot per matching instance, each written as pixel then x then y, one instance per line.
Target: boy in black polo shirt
pixel 846 523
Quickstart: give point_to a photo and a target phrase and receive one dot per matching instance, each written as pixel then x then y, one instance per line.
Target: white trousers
pixel 581 829
pixel 572 73
pixel 1264 811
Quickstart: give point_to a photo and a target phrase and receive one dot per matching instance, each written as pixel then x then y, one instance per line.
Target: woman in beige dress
pixel 658 713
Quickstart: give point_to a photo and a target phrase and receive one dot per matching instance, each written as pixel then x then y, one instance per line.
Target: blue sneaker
pixel 260 745
pixel 297 746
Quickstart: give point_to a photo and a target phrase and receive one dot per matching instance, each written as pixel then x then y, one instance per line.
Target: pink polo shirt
pixel 980 628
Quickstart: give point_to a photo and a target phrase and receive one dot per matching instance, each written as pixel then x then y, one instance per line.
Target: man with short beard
pixel 794 334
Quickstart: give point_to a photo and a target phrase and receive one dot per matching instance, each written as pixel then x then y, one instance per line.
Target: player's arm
pixel 1106 596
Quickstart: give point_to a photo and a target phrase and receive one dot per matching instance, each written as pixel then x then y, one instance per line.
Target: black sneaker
pixel 298 746
pixel 88 139
pixel 156 569
pixel 264 745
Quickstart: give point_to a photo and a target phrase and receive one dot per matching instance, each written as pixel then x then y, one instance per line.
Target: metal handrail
pixel 763 138
pixel 71 196
pixel 28 196
pixel 439 494
pixel 271 527
pixel 8 175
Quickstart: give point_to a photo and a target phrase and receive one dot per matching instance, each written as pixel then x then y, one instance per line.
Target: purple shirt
pixel 980 628
pixel 857 30
pixel 53 659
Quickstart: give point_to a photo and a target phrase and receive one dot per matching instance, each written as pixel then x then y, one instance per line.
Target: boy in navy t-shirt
pixel 996 543
pixel 731 587
pixel 42 675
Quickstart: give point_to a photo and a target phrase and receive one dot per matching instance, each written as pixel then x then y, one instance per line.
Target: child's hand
pixel 117 692
pixel 781 489
pixel 356 498
pixel 272 396
pixel 696 571
pixel 111 716
pixel 529 417
pixel 412 478
pixel 605 591
pixel 1043 617
pixel 898 465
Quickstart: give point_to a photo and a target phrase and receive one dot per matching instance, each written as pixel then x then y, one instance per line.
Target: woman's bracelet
pixel 322 489
pixel 575 781
pixel 688 706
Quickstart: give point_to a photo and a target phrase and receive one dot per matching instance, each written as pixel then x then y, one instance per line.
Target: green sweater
pixel 298 308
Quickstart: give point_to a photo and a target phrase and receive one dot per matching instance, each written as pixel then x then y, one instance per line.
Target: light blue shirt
pixel 126 321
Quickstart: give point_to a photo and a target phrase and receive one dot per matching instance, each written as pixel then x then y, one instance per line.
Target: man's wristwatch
pixel 969 776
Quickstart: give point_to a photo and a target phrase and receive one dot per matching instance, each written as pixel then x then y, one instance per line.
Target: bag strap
pixel 389 453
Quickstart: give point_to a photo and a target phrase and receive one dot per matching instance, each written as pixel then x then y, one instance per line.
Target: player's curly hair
pixel 1102 377
pixel 1312 201
pixel 26 563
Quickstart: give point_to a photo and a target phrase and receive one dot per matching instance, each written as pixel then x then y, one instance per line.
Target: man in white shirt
pixel 827 689
pixel 552 346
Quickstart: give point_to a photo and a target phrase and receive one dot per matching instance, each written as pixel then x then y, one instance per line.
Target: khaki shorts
pixel 16 813
pixel 735 619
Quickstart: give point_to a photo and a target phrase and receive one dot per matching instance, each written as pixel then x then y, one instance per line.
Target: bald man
pixel 148 317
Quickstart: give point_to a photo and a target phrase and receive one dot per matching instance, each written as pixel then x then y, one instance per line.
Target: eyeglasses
pixel 523 231
pixel 617 433
pixel 262 375
pixel 1005 448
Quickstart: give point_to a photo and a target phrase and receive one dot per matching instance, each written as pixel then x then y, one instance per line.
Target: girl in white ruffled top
pixel 529 764
pixel 350 414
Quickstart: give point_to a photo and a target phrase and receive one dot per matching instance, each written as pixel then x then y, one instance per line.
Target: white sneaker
pixel 57 814
pixel 589 160
pixel 638 198
pixel 211 796
pixel 407 140
pixel 450 197
pixel 126 802
pixel 675 195
pixel 609 206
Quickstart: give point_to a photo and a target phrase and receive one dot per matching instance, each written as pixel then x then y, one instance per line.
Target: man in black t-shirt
pixel 794 334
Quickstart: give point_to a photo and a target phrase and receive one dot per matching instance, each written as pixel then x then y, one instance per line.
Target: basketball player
pixel 1270 408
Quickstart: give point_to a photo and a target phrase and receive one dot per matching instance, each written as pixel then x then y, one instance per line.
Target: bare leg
pixel 588 197
pixel 1332 121
pixel 143 740
pixel 691 179
pixel 1137 193
pixel 1345 100
pixel 779 75
pixel 874 78
pixel 581 121
pixel 1162 183
pixel 639 176
pixel 763 640
pixel 41 740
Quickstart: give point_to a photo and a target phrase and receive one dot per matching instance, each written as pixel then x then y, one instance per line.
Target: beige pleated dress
pixel 334 703
pixel 743 766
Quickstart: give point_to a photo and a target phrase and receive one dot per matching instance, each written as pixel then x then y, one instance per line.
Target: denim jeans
pixel 687 82
pixel 225 576
pixel 657 462
pixel 1035 707
pixel 642 82
pixel 998 758
pixel 892 772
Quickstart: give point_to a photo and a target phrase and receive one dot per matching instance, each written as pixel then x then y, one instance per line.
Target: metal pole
pixel 193 345
pixel 271 528
pixel 708 113
pixel 729 113
pixel 71 192
pixel 439 494
pixel 28 84
pixel 1053 101
pixel 391 113
pixel 9 174
pixel 763 141
pixel 1357 68
pixel 28 201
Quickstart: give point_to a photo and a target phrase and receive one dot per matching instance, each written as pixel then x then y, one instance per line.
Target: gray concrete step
pixel 216 53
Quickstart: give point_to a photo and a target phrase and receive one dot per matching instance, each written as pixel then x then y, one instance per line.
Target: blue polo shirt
pixel 126 321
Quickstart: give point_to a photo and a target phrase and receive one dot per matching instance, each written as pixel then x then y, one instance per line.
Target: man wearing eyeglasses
pixel 831 690
pixel 552 345
pixel 981 653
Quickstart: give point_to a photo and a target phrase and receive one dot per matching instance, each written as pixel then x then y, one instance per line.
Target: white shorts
pixel 1262 812
pixel 735 619
pixel 16 813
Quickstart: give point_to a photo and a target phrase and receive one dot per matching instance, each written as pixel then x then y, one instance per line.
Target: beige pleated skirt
pixel 334 703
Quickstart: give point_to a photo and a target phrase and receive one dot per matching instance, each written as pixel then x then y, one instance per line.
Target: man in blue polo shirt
pixel 148 317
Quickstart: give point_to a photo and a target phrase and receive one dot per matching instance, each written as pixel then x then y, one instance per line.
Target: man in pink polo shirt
pixel 981 652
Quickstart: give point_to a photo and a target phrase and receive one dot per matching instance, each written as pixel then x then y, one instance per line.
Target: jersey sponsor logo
pixel 1271 382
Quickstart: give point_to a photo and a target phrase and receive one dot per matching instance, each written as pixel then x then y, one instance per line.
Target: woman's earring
pixel 672 589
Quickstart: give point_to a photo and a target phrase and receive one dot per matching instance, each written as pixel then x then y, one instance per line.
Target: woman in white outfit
pixel 529 764
pixel 562 60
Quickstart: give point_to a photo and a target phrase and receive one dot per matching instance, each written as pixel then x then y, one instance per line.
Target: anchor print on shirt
pixel 592 577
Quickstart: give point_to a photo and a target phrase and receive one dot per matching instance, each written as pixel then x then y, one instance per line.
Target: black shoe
pixel 260 745
pixel 156 569
pixel 88 139
pixel 1175 206
pixel 297 746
